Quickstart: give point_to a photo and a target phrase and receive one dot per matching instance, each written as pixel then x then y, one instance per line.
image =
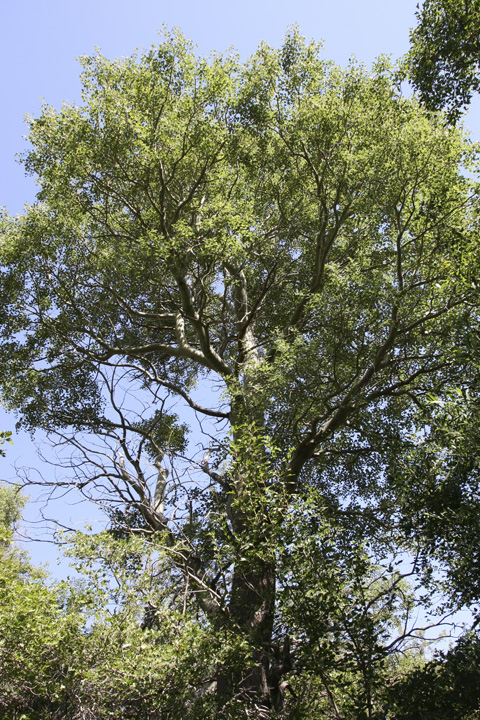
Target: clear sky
pixel 40 40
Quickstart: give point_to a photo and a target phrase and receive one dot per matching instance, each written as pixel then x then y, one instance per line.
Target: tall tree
pixel 277 256
pixel 444 59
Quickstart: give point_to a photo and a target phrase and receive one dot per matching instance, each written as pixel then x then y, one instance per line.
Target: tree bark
pixel 251 611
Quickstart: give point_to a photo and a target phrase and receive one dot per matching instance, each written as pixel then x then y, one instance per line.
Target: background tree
pixel 446 687
pixel 36 634
pixel 441 501
pixel 78 648
pixel 285 251
pixel 444 60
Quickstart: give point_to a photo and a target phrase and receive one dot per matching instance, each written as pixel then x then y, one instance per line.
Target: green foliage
pixel 288 251
pixel 446 688
pixel 37 636
pixel 441 503
pixel 163 433
pixel 346 615
pixel 80 648
pixel 444 60
pixel 5 436
pixel 38 643
pixel 11 504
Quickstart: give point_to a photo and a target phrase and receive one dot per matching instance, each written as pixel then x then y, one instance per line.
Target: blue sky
pixel 39 43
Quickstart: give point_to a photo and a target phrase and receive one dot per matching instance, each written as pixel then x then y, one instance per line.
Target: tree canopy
pixel 235 306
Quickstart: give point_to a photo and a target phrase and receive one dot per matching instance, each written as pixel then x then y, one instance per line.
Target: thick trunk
pixel 251 607
pixel 251 612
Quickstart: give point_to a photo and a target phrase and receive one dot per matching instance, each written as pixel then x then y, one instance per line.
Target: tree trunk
pixel 251 612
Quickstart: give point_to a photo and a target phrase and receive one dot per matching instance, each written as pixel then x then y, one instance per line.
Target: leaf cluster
pixel 444 60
